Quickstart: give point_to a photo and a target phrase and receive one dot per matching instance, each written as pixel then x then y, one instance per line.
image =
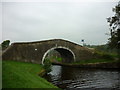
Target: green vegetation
pixel 5 44
pixel 47 65
pixel 100 57
pixel 23 75
pixel 103 48
pixel 104 52
pixel 105 55
pixel 114 40
pixel 59 59
pixel 114 23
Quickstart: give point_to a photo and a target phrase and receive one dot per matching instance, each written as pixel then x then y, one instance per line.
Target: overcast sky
pixel 73 21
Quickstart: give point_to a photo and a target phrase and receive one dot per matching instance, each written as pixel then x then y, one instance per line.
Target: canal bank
pixel 93 63
pixel 103 65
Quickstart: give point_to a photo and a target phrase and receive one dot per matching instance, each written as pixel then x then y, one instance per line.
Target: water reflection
pixel 69 77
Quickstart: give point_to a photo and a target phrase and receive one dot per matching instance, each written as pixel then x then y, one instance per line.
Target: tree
pixel 114 23
pixel 5 44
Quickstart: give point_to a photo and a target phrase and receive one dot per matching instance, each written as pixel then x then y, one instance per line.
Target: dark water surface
pixel 69 77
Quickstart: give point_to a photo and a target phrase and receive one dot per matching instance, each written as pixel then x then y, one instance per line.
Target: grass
pixel 23 75
pixel 95 61
pixel 59 59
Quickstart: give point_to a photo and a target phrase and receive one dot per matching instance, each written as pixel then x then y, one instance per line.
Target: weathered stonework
pixel 35 52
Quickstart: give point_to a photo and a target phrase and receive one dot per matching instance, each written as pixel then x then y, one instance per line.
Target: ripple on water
pixel 65 77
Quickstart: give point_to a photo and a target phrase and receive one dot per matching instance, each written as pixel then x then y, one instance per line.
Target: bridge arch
pixel 65 52
pixel 35 52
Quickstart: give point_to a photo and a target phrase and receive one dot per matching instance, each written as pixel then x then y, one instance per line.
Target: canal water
pixel 70 77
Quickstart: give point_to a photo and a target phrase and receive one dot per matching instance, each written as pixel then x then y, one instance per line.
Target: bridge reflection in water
pixel 69 77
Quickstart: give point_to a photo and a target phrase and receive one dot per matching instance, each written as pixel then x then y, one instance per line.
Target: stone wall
pixel 34 51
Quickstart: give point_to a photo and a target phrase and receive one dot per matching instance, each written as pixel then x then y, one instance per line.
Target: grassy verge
pixel 23 75
pixel 95 61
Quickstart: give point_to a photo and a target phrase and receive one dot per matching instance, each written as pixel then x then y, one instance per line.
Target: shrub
pixel 106 56
pixel 47 65
pixel 59 59
pixel 5 44
pixel 103 55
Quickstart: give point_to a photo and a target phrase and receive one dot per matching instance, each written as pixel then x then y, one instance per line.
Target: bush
pixel 59 59
pixel 5 44
pixel 103 55
pixel 47 65
pixel 106 56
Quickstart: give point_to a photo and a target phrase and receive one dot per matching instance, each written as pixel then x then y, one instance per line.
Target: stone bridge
pixel 36 52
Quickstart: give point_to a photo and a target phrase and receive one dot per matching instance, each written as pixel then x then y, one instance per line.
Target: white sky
pixel 30 20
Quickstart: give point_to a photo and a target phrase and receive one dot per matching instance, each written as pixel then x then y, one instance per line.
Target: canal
pixel 69 77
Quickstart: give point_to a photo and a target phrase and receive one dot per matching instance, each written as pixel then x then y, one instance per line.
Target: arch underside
pixel 66 54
